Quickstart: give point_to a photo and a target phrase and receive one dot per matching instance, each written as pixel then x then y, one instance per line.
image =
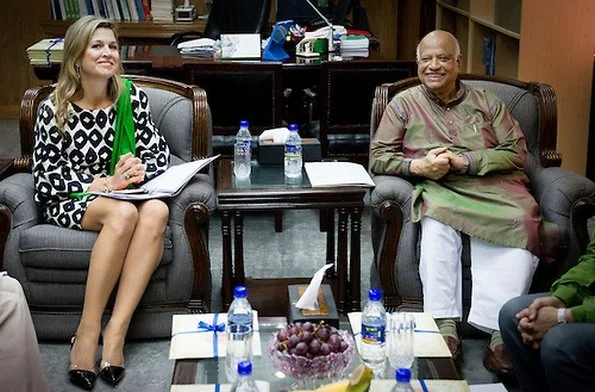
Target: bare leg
pixel 115 220
pixel 143 257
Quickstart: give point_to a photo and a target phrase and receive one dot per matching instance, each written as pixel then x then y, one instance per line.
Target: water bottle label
pixel 373 334
pixel 242 148
pixel 293 151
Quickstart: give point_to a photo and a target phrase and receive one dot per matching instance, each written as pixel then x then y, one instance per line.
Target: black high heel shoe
pixel 110 373
pixel 81 378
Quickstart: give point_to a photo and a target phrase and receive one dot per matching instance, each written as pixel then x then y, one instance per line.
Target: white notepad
pixel 325 174
pixel 167 184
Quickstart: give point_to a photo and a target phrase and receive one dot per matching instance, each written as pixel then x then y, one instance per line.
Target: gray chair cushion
pixel 50 247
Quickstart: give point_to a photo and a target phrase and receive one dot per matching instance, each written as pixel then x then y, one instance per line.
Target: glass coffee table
pixel 212 371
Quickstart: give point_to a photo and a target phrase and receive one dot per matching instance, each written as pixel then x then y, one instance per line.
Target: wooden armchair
pixel 564 197
pixel 51 262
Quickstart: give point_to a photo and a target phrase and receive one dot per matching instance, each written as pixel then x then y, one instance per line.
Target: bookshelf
pixel 488 32
pixel 132 31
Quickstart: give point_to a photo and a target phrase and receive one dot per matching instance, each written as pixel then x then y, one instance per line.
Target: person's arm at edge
pixel 574 288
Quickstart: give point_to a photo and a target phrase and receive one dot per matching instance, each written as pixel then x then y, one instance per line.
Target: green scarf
pixel 124 138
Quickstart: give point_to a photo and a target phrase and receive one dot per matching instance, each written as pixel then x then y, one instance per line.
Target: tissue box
pixel 327 312
pixel 270 153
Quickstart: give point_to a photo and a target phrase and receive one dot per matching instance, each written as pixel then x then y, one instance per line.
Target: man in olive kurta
pixel 467 154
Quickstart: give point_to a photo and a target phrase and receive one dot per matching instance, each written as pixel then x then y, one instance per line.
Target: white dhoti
pixel 21 369
pixel 497 275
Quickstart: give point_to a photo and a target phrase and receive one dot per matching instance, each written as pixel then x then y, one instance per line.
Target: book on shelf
pixel 167 184
pixel 329 174
pixel 132 10
pixel 489 54
pixel 83 8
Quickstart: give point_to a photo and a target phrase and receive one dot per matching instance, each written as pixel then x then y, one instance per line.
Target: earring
pixel 77 70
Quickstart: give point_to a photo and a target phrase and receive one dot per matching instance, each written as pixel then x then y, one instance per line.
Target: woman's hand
pixel 128 170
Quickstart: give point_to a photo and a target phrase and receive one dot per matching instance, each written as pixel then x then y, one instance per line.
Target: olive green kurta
pixel 491 200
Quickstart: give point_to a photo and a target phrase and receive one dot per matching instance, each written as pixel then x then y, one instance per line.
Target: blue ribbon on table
pixel 215 328
pixel 53 42
pixel 217 387
pixel 205 327
pixel 423 385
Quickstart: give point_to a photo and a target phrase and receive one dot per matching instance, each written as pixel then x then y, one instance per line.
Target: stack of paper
pixel 190 339
pixel 46 51
pixel 323 174
pixel 202 47
pixel 355 46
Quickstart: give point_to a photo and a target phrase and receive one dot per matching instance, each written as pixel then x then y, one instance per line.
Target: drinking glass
pixel 239 348
pixel 400 340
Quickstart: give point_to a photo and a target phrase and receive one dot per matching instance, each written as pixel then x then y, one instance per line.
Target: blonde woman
pixel 96 133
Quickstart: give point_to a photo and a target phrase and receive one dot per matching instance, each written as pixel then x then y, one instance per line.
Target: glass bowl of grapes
pixel 311 351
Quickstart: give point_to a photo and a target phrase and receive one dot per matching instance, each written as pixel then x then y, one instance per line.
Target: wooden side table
pixel 264 193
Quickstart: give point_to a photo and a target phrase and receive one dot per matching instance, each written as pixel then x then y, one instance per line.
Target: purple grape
pixel 323 334
pixel 282 335
pixel 343 346
pixel 309 356
pixel 308 326
pixel 301 349
pixel 325 349
pixel 314 347
pixel 292 351
pixel 335 342
pixel 298 325
pixel 306 337
pixel 293 341
pixel 293 331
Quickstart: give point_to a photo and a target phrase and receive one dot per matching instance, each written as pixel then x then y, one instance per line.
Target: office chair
pixel 230 17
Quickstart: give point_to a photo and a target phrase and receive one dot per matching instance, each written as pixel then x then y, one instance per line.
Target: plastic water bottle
pixel 403 377
pixel 244 382
pixel 242 152
pixel 239 332
pixel 240 311
pixel 374 333
pixel 293 153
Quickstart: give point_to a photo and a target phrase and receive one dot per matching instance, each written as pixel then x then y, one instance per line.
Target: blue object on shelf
pixel 274 49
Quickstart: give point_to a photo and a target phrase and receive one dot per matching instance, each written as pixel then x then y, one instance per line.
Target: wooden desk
pixel 267 192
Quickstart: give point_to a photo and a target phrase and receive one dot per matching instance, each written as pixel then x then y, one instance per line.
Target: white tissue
pixel 309 300
pixel 277 135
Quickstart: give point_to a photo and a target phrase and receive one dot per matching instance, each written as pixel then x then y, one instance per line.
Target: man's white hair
pixel 457 46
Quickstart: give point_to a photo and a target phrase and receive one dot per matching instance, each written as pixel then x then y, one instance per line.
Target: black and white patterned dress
pixel 67 161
